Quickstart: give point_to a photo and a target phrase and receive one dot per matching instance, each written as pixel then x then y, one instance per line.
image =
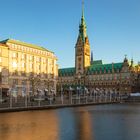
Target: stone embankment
pixel 31 108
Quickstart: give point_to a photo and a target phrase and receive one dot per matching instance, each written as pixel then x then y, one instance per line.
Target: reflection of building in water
pixel 84 125
pixel 119 78
pixel 43 127
pixel 34 126
pixel 25 67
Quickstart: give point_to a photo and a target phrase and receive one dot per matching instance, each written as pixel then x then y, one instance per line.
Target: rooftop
pixel 24 44
pixel 105 67
pixel 67 71
pixel 97 66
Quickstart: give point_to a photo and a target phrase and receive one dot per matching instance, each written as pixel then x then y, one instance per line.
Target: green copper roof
pixel 82 26
pixel 104 67
pixel 24 44
pixel 66 72
pixel 93 69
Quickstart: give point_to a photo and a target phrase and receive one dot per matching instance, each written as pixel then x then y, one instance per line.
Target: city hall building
pixel 26 68
pixel 119 78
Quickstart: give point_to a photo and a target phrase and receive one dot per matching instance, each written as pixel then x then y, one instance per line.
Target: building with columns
pixel 24 67
pixel 119 78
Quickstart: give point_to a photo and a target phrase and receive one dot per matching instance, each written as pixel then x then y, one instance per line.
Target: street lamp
pixel 11 100
pixel 1 95
pixel 62 98
pixel 26 102
pixel 85 93
pixel 70 94
pixel 48 86
pixel 50 95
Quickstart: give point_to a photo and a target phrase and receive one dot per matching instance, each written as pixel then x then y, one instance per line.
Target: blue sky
pixel 113 26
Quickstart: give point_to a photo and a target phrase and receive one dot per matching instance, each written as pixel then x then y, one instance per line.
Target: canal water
pixel 101 122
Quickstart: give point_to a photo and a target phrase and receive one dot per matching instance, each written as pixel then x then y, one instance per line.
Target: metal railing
pixel 40 100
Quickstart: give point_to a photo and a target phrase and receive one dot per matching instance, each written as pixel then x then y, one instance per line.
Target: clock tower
pixel 82 48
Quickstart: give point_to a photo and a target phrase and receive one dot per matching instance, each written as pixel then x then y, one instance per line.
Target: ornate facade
pixel 24 67
pixel 121 78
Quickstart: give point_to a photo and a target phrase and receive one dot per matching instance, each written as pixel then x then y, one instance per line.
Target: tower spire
pixel 83 8
pixel 91 57
pixel 82 27
pixel 82 48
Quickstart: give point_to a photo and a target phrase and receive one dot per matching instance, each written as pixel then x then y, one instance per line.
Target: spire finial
pixel 125 55
pixel 82 8
pixel 82 27
pixel 132 62
pixel 125 59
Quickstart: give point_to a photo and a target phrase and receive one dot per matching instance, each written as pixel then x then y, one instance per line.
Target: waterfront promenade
pixel 26 103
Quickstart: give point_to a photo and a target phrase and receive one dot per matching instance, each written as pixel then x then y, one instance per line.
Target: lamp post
pixel 11 100
pixel 85 94
pixel 61 92
pixel 50 96
pixel 25 94
pixel 70 94
pixel 105 95
pixel 1 95
pixel 78 88
pixel 79 92
pixel 62 98
pixel 110 95
pixel 32 81
pixel 93 95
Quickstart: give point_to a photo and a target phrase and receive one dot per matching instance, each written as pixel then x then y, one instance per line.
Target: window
pixel 23 65
pixel 37 59
pixel 79 66
pixel 14 55
pixel 31 57
pixel 31 65
pixel 23 82
pixel 14 65
pixel 23 56
pixel 15 82
pixel 4 80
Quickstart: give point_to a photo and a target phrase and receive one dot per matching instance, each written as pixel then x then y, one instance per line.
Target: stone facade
pixel 25 67
pixel 120 78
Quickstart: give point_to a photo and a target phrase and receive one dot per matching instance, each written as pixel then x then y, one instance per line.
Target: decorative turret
pixel 91 60
pixel 132 62
pixel 125 59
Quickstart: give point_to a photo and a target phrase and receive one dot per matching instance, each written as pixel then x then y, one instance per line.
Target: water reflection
pixel 29 125
pixel 75 124
pixel 117 122
pixel 84 125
